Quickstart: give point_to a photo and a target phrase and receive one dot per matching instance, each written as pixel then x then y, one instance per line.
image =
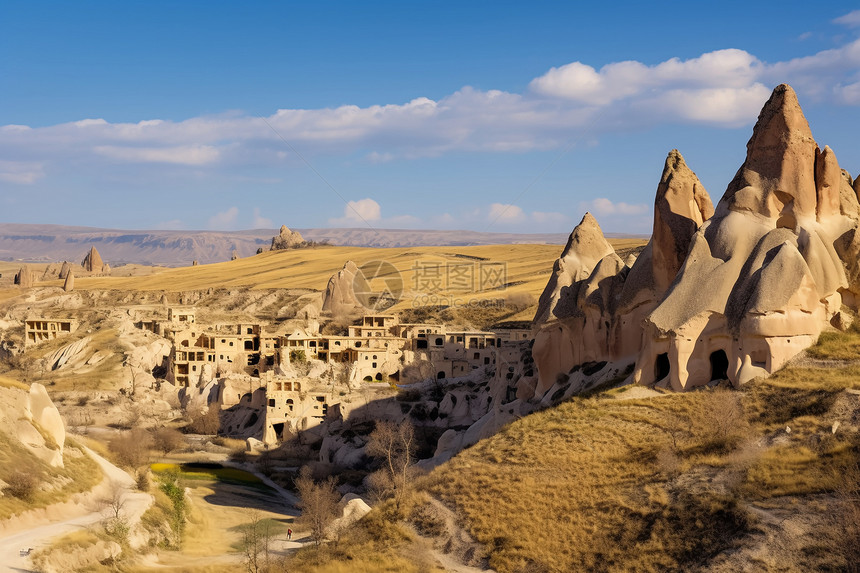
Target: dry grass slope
pixel 48 485
pixel 671 483
pixel 581 487
pixel 527 270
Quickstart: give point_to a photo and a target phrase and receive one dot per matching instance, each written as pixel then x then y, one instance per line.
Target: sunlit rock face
pixel 730 293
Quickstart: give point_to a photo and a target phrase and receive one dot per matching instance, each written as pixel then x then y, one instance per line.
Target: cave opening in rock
pixel 719 365
pixel 661 367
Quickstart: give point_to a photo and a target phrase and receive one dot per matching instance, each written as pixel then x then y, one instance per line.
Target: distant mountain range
pixel 48 243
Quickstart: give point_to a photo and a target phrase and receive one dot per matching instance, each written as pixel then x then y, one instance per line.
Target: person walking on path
pixel 289 534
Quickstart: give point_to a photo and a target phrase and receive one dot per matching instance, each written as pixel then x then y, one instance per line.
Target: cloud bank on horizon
pixel 568 105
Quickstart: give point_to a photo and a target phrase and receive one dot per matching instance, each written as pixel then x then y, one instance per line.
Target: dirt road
pixel 40 535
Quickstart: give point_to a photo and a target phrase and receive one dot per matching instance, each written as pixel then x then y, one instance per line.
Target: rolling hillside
pixel 525 267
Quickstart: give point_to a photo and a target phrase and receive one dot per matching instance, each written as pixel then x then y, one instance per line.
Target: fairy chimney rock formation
pixel 24 277
pixel 726 293
pixel 339 297
pixel 286 239
pixel 777 179
pixel 93 262
pixel 763 276
pixel 585 247
pixel 680 208
pixel 65 270
pixel 69 285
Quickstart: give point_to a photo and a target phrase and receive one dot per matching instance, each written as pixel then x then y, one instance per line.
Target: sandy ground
pixel 37 531
pixel 218 511
pixel 635 392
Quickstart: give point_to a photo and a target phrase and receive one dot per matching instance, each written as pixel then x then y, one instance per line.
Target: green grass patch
pixel 210 472
pixel 837 345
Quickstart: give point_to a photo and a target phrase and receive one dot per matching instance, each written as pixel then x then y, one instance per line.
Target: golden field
pixel 527 268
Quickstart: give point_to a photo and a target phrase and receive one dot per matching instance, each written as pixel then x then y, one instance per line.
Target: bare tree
pixel 166 440
pixel 136 371
pixel 256 544
pixel 722 421
pixel 113 504
pixel 133 414
pixel 395 444
pixel 206 421
pixel 318 504
pixel 131 449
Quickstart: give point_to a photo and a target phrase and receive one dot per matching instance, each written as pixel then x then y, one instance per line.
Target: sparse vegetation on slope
pixel 666 483
pixel 583 487
pixel 31 483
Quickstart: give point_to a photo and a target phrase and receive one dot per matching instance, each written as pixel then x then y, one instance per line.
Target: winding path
pixel 41 535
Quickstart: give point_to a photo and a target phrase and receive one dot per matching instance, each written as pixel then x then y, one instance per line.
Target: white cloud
pixel 363 209
pixel 604 206
pixel 727 106
pixel 849 94
pixel 506 213
pixel 261 222
pixel 184 155
pixel 359 213
pixel 722 88
pixel 823 75
pixel 580 82
pixel 493 217
pixel 225 220
pixel 21 172
pixel 851 19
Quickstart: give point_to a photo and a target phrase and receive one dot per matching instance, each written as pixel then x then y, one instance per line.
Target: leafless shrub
pixel 318 503
pixel 395 444
pixel 206 421
pixel 257 535
pixel 167 440
pixel 131 448
pixel 21 485
pixel 721 424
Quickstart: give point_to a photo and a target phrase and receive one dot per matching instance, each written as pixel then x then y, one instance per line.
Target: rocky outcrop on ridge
pixel 24 277
pixel 93 262
pixel 339 298
pixel 65 270
pixel 286 239
pixel 730 293
pixel 69 284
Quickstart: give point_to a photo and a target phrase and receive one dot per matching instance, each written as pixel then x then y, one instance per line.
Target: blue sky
pixel 490 116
